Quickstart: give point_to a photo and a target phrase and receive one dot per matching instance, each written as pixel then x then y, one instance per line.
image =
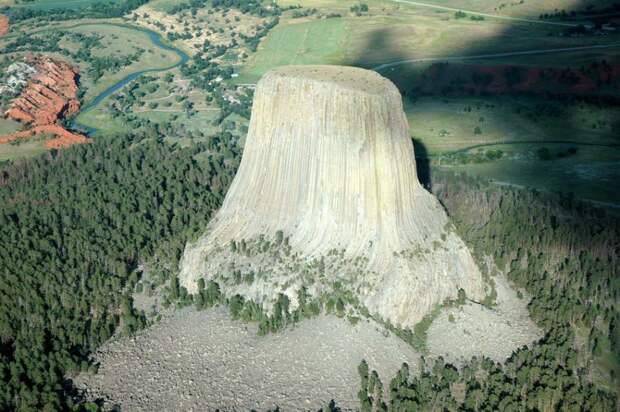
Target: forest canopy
pixel 77 224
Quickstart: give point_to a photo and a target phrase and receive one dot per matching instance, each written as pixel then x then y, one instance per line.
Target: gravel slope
pixel 478 330
pixel 204 360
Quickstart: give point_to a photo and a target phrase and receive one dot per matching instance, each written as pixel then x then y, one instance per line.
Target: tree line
pixel 96 10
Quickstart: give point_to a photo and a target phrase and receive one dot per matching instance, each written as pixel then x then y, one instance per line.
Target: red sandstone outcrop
pixel 62 137
pixel 4 25
pixel 50 95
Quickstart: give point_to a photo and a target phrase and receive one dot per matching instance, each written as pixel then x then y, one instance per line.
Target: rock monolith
pixel 327 199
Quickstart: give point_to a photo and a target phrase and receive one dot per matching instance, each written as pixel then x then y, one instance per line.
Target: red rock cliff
pixel 49 96
pixel 4 25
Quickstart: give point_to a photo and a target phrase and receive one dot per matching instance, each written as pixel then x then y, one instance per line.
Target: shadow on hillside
pixel 474 80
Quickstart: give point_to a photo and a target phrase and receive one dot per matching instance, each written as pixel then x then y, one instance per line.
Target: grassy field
pixel 162 5
pixel 336 5
pixel 592 173
pixel 407 72
pixel 15 150
pixel 201 122
pixel 100 119
pixel 20 150
pixel 445 125
pixel 158 100
pixel 512 8
pixel 315 42
pixel 8 126
pixel 520 128
pixel 388 34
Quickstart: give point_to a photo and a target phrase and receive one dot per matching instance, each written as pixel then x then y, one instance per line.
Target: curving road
pixel 493 16
pixel 494 55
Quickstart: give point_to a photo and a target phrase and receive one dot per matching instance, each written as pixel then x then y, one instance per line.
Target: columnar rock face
pixel 329 167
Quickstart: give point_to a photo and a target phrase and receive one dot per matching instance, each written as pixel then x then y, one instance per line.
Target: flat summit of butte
pixel 327 199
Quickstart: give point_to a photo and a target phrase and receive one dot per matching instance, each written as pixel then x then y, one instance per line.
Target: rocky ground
pixel 204 360
pixel 475 330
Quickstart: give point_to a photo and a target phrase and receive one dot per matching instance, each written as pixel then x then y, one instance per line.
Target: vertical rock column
pixel 329 161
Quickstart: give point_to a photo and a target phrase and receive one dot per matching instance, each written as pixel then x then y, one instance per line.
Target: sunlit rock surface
pixel 329 162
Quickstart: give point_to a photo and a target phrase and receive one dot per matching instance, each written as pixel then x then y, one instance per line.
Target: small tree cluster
pixel 370 394
pixel 358 9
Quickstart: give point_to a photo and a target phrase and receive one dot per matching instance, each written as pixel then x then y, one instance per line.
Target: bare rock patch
pixel 460 333
pixel 205 361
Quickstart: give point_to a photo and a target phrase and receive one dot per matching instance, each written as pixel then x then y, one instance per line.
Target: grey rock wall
pixel 329 162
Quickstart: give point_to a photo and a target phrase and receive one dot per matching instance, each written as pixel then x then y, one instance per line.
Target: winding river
pixel 157 41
